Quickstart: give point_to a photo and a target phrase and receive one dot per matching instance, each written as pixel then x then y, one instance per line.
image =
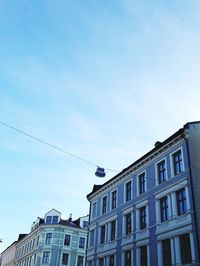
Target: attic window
pixel 55 220
pixel 48 219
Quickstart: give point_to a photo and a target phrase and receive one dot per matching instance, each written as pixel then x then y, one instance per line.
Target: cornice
pixel 135 166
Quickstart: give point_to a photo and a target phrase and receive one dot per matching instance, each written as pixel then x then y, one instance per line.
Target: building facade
pixel 53 241
pixel 8 255
pixel 149 213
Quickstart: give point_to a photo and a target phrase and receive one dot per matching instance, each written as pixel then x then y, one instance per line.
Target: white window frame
pixel 130 180
pixel 89 237
pixel 116 189
pixel 94 216
pixel 106 195
pixel 129 210
pixel 139 205
pixel 156 170
pixel 69 257
pixel 172 161
pixel 138 185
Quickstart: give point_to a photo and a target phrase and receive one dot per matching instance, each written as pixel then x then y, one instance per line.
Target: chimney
pixel 70 217
pixel 157 143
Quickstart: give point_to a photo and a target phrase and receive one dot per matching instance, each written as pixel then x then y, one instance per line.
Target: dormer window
pixel 55 220
pixel 52 217
pixel 48 220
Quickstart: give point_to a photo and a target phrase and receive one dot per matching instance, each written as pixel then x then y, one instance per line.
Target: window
pixel 67 240
pixel 101 262
pixel 91 238
pixel 65 257
pixel 34 260
pixel 113 228
pixel 55 220
pixel 128 191
pixel 114 199
pixel 80 261
pixel 141 183
pixel 143 255
pixel 166 252
pixel 181 201
pixel 81 242
pixel 85 225
pixel 127 258
pixel 186 256
pixel 48 238
pixel 164 209
pixel 38 239
pixel 48 220
pixel 111 260
pixel 143 224
pixel 103 232
pixel 45 258
pixel 94 210
pixel 128 223
pixel 161 172
pixel 104 204
pixel 177 162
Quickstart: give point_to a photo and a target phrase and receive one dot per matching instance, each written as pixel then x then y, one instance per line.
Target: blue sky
pixel 101 79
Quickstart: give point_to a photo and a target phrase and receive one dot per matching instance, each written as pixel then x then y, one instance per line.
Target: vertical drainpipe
pixel 193 202
pixel 87 235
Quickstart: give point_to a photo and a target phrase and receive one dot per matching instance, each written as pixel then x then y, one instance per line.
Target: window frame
pixel 102 234
pixel 66 241
pixel 128 223
pixel 173 168
pixel 181 203
pixel 94 211
pixel 158 171
pixel 64 253
pixel 104 204
pixel 164 209
pixel 113 225
pixel 143 217
pixel 113 200
pixel 141 184
pixel 144 255
pixel 185 249
pixel 81 242
pixel 48 238
pixel 128 190
pixel 127 261
pixel 46 257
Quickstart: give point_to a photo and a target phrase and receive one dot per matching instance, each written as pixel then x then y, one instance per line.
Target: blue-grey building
pixel 53 241
pixel 149 213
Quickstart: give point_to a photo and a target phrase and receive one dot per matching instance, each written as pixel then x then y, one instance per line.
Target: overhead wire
pixel 54 146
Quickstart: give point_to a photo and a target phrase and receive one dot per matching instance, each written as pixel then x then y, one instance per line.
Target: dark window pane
pixel 67 240
pixel 181 201
pixel 143 255
pixel 166 252
pixel 161 172
pixel 186 256
pixel 177 162
pixel 104 204
pixel 111 260
pixel 141 180
pixel 113 228
pixel 128 223
pixel 164 209
pixel 64 258
pixel 128 258
pixel 114 199
pixel 128 191
pixel 143 218
pixel 102 240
